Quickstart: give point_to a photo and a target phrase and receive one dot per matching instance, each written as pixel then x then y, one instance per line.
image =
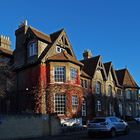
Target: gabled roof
pixel 56 34
pixel 6 51
pixel 40 35
pixel 90 65
pixel 64 57
pixel 107 67
pixel 83 74
pixel 125 78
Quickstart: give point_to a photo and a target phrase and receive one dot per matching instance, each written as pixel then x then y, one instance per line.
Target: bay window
pixel 73 73
pixel 59 74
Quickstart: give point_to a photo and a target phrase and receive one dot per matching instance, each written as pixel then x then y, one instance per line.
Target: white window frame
pixel 99 107
pixel 84 111
pixel 128 94
pixel 73 73
pixel 129 109
pixel 120 109
pixel 60 104
pixel 59 74
pixel 98 87
pixel 75 102
pixel 60 49
pixel 32 48
pixel 84 83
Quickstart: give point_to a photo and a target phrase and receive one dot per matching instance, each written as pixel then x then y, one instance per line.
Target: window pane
pixel 98 105
pixel 59 74
pixel 128 94
pixel 60 103
pixel 32 48
pixel 98 87
pixel 84 108
pixel 73 73
pixel 109 90
pixel 74 103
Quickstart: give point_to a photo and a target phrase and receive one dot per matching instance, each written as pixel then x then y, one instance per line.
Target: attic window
pixel 59 49
pixel 32 48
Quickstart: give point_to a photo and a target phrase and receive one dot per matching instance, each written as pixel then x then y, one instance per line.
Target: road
pixel 82 135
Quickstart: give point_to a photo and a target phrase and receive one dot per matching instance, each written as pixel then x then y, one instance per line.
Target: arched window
pixel 109 90
pixel 98 87
pixel 99 105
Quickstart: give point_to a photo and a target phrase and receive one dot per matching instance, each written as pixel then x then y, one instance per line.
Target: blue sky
pixel 110 28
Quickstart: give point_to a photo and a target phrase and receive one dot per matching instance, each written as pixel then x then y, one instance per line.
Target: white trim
pixel 99 106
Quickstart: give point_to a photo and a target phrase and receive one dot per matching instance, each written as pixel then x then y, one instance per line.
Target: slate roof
pixel 83 74
pixel 90 65
pixel 64 57
pixel 107 67
pixel 41 35
pixel 55 35
pixel 125 78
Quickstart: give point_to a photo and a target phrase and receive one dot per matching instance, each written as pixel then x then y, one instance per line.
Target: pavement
pixel 134 126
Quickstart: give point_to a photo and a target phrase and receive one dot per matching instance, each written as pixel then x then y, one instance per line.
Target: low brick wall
pixel 15 127
pixel 134 126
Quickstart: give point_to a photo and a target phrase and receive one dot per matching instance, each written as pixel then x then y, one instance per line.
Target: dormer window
pixel 32 48
pixel 59 49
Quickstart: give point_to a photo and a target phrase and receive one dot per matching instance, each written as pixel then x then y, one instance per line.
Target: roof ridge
pixel 121 69
pixel 131 78
pixel 39 31
pixel 108 62
pixel 57 31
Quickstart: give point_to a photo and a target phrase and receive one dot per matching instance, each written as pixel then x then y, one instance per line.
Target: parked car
pixel 107 125
pixel 137 120
pixel 74 124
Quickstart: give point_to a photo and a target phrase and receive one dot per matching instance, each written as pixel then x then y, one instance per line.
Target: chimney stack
pixel 5 42
pixel 23 23
pixel 87 54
